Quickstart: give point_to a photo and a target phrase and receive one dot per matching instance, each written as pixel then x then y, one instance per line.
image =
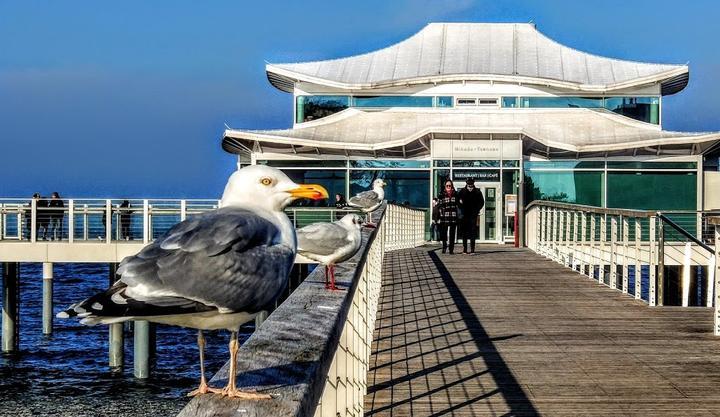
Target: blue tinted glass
pixel 444 101
pixel 509 102
pixel 392 101
pixel 559 164
pixel 561 102
pixel 645 109
pixel 389 163
pixel 411 187
pixel 315 107
pixel 476 164
pixel 565 186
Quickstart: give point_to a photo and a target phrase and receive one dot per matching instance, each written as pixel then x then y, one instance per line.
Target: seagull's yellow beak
pixel 311 191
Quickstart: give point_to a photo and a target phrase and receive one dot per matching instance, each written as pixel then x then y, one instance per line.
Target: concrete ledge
pixel 290 355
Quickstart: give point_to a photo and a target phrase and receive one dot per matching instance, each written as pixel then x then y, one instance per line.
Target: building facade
pixel 525 116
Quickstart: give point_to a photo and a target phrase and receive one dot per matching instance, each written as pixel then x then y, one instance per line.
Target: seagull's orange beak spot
pixel 311 191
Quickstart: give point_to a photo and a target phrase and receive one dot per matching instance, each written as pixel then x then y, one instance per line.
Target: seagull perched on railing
pixel 331 243
pixel 216 270
pixel 369 201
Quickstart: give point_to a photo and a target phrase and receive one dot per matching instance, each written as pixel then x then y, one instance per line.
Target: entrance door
pixel 489 224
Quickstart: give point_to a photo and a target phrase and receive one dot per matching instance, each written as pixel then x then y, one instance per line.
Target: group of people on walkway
pixel 453 209
pixel 50 213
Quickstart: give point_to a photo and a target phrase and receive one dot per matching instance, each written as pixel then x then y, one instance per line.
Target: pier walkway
pixel 507 332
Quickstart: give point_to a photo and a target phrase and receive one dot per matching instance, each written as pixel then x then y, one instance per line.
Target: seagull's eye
pixel 266 181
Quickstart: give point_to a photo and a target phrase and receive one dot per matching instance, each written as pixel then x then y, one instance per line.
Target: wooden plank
pixel 508 332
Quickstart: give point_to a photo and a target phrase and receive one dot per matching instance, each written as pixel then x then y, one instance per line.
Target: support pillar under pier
pixel 116 331
pixel 141 357
pixel 47 290
pixel 10 307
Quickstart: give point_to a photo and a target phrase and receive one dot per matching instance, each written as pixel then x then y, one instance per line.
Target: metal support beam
pixel 10 307
pixel 141 346
pixel 116 334
pixel 47 291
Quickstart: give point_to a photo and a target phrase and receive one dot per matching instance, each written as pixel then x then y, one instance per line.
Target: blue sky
pixel 101 98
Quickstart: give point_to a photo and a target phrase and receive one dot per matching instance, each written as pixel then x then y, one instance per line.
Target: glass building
pixel 526 117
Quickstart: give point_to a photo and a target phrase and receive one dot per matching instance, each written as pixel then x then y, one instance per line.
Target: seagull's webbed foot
pixel 202 389
pixel 231 390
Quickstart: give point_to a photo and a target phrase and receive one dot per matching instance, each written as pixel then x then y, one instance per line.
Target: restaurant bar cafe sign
pixel 476 149
pixel 486 175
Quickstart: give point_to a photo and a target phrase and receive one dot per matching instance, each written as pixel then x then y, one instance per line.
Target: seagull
pixel 369 201
pixel 215 270
pixel 331 243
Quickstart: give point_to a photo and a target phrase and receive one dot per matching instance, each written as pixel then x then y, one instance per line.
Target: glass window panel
pixel 645 109
pixel 303 163
pixel 333 181
pixel 315 107
pixel 475 164
pixel 403 187
pixel 652 190
pixel 441 163
pixel 562 102
pixel 389 163
pixel 651 165
pixel 565 186
pixel 392 101
pixel 560 164
pixel 510 102
pixel 444 101
pixel 441 175
pixel 511 164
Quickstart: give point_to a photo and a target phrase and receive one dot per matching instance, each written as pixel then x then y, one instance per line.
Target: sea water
pixel 67 373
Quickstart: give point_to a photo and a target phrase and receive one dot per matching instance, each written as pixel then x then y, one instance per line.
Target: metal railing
pixel 135 220
pixel 629 250
pixel 312 353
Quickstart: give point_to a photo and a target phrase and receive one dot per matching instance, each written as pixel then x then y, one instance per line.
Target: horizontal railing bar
pixel 592 209
pixel 683 232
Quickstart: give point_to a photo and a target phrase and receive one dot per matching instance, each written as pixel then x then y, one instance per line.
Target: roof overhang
pixel 408 134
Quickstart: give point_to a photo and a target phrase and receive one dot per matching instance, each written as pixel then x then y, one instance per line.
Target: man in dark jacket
pixel 471 202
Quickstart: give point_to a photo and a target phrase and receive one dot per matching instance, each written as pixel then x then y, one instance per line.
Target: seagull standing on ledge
pixel 331 243
pixel 369 201
pixel 216 270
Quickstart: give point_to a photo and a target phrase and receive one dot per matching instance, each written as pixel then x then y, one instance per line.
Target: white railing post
pixel 568 224
pixel 638 259
pixel 717 280
pixel 602 248
pixel 71 221
pixel 626 258
pixel 652 263
pixel 183 210
pixel 33 220
pixel 146 221
pixel 591 267
pixel 576 219
pixel 583 231
pixel 108 221
pixel 613 252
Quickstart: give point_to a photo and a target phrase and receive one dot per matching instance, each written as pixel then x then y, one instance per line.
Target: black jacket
pixel 471 202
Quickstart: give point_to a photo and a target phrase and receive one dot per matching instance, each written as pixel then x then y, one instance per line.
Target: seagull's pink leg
pixel 327 285
pixel 332 278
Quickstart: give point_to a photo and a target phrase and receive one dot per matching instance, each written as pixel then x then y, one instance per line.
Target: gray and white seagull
pixel 369 201
pixel 331 243
pixel 216 270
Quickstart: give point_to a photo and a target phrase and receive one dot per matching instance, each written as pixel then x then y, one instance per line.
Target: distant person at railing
pixel 435 219
pixel 340 204
pixel 56 213
pixel 448 208
pixel 42 217
pixel 125 219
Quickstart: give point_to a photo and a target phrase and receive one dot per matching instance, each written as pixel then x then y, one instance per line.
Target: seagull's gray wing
pixel 365 199
pixel 230 259
pixel 321 238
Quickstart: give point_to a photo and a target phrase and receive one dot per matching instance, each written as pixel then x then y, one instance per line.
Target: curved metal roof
pixel 574 130
pixel 448 52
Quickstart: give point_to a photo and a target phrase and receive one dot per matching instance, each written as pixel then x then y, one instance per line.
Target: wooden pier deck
pixel 507 332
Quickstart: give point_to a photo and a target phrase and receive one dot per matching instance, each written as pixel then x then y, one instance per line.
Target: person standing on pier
pixel 471 202
pixel 448 208
pixel 125 218
pixel 55 215
pixel 42 217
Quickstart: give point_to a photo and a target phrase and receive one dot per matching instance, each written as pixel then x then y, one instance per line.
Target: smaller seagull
pixel 331 243
pixel 369 201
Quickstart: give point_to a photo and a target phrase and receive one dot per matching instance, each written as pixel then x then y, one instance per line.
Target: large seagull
pixel 216 270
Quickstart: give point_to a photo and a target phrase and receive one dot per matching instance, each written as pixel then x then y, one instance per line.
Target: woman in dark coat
pixel 448 209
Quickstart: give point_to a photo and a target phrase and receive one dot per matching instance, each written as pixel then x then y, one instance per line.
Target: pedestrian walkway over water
pixel 508 332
